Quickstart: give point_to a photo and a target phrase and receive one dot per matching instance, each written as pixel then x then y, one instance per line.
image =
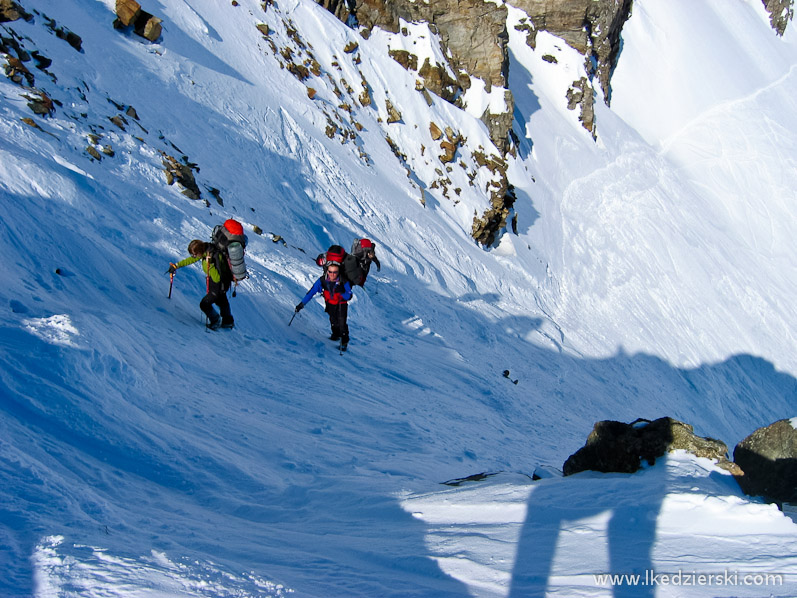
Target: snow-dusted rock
pixel 769 460
pixel 619 447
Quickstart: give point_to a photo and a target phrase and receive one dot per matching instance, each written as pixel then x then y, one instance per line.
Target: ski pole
pixel 294 315
pixel 171 283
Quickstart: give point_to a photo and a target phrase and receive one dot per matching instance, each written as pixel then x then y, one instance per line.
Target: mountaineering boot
pixel 214 323
pixel 227 322
pixel 344 342
pixel 334 336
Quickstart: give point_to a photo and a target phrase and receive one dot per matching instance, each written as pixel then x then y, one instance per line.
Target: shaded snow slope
pixel 143 456
pixel 683 212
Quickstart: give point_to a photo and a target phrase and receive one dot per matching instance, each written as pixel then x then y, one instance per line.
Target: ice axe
pixel 171 272
pixel 296 311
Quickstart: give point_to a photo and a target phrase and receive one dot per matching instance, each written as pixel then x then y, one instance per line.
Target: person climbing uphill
pixel 218 282
pixel 336 296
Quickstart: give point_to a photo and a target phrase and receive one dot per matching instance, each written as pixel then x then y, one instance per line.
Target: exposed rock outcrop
pixel 780 13
pixel 130 14
pixel 474 37
pixel 590 26
pixel 475 51
pixel 769 460
pixel 11 11
pixel 182 174
pixel 593 28
pixel 619 447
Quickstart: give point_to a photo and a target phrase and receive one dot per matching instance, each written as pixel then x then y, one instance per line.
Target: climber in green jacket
pixel 218 280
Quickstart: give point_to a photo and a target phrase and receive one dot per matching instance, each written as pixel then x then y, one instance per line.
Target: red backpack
pixel 333 255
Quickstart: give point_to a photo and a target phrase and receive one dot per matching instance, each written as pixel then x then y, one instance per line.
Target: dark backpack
pixel 364 252
pixel 230 243
pixel 355 265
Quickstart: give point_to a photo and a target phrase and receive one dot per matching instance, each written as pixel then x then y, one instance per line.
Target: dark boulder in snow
pixel 769 460
pixel 614 446
pixel 11 11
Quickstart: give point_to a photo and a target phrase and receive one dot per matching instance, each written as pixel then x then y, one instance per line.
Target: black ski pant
pixel 217 293
pixel 338 315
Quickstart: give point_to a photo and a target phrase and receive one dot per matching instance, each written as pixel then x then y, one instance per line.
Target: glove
pixel 299 307
pixel 172 269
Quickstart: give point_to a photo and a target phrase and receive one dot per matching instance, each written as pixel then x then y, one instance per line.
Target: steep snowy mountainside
pixel 682 211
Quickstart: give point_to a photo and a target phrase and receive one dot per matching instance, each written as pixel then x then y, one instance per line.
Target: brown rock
pixel 769 460
pixel 405 59
pixel 590 26
pixel 365 97
pixel 393 115
pixel 119 121
pixel 93 153
pixel 41 104
pixel 153 29
pixel 780 13
pixel 449 151
pixel 11 11
pixel 581 95
pixel 480 51
pixel 181 174
pixel 127 11
pixel 16 71
pixel 436 78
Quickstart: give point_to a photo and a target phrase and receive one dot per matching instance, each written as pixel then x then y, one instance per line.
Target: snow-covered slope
pixel 143 456
pixel 684 211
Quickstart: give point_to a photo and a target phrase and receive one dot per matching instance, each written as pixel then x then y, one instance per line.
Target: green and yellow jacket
pixel 208 265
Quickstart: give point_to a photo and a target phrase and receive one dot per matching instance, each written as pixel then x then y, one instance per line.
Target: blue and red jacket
pixel 335 292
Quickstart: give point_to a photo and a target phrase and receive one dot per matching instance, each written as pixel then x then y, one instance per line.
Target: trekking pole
pixel 294 315
pixel 171 283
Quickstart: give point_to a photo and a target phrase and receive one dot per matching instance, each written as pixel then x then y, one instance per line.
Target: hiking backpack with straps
pixel 230 241
pixel 354 265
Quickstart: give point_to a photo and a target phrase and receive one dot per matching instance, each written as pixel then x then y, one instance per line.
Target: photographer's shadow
pixel 620 509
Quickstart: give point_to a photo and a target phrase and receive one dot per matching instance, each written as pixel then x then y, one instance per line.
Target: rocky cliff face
pixel 479 51
pixel 590 26
pixel 475 51
pixel 593 28
pixel 474 36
